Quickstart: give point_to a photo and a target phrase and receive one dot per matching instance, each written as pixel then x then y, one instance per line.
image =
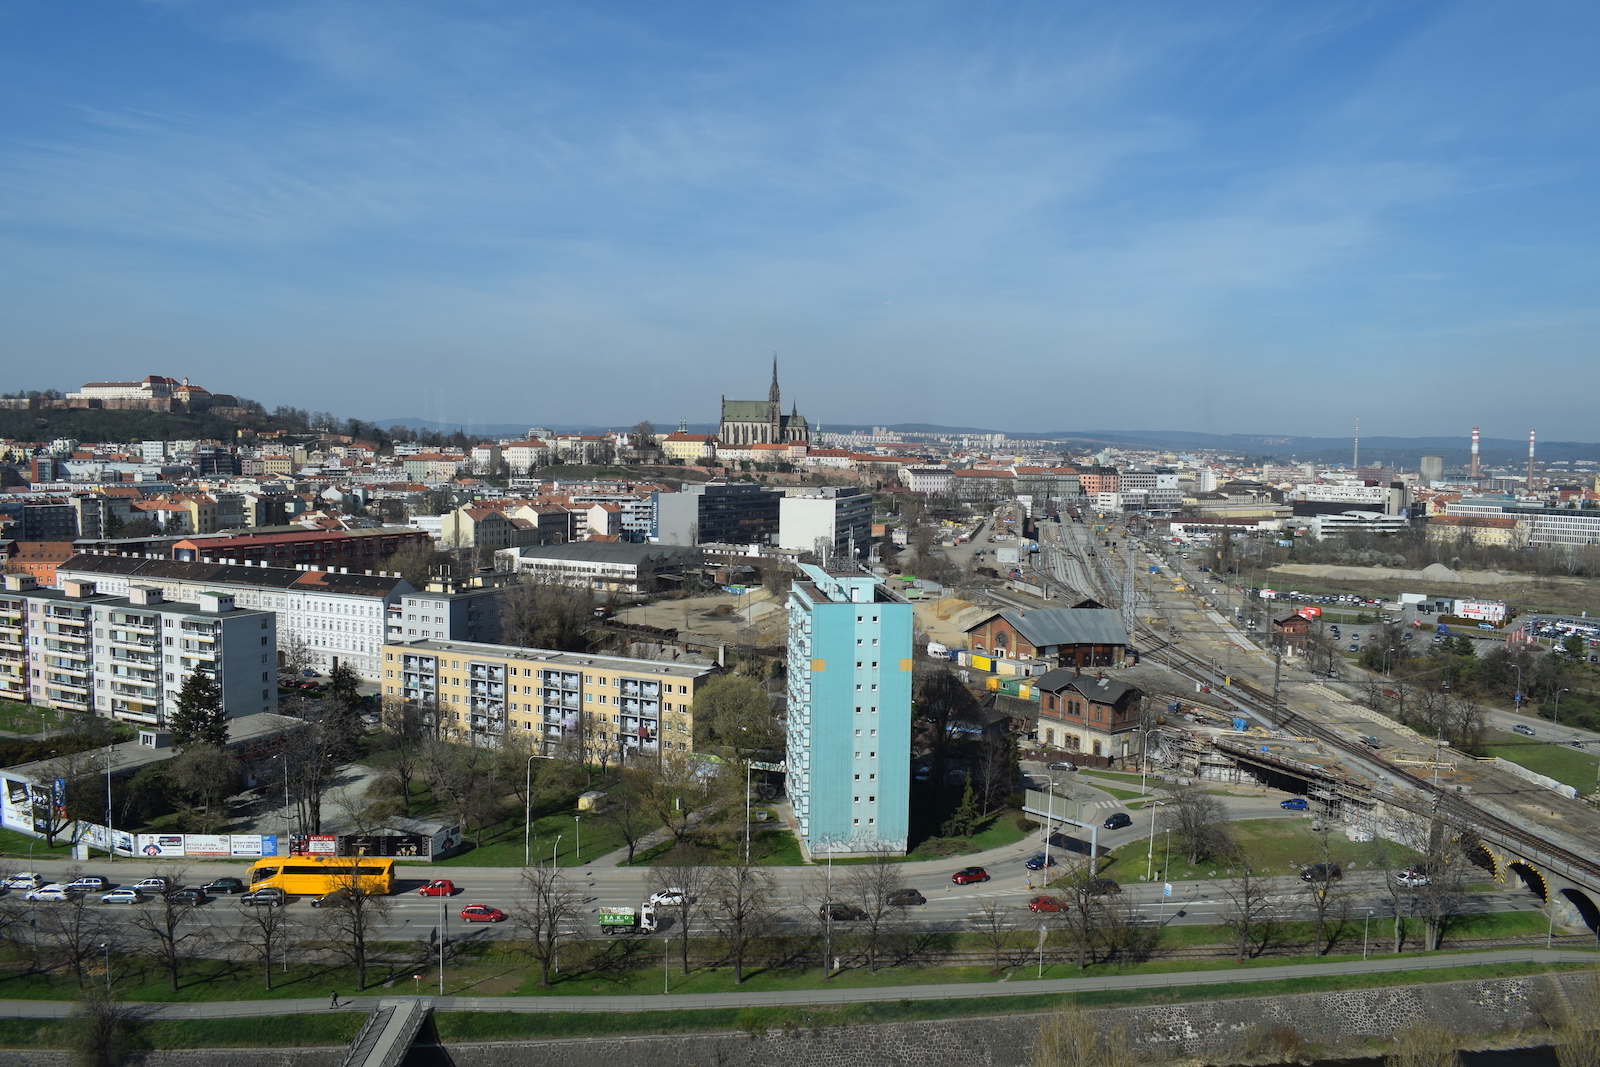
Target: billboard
pixel 253 846
pixel 313 845
pixel 400 846
pixel 1481 610
pixel 213 845
pixel 160 846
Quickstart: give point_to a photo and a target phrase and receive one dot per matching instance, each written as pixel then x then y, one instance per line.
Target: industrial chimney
pixel 1530 461
pixel 1474 472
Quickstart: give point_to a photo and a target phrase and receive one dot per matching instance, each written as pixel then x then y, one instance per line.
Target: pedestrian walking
pixel 333 999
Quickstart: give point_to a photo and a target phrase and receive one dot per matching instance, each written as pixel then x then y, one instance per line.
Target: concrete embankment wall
pixel 1215 1031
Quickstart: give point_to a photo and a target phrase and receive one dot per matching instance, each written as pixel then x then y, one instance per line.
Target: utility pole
pixel 1277 679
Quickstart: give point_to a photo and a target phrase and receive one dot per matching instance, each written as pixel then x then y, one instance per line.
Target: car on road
pixel 1063 766
pixel 1047 903
pixel 1525 731
pixel 1355 647
pixel 1040 862
pixel 334 898
pixel 224 887
pixel 269 896
pixel 969 875
pixel 24 880
pixel 1295 804
pixel 192 897
pixel 482 913
pixel 670 897
pixel 123 896
pixel 88 883
pixel 1104 887
pixel 1371 742
pixel 52 891
pixel 158 884
pixel 841 913
pixel 1411 879
pixel 906 898
pixel 1117 820
pixel 1322 872
pixel 439 887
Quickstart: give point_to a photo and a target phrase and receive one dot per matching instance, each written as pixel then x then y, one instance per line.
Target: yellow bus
pixel 307 876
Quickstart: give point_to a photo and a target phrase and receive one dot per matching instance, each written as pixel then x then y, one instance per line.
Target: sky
pixel 1029 216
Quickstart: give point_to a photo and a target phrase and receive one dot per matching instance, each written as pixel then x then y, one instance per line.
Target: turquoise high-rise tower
pixel 849 711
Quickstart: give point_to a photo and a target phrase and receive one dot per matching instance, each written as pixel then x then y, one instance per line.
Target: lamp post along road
pixel 527 813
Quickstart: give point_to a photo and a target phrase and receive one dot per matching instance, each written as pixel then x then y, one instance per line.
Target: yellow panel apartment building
pixel 483 693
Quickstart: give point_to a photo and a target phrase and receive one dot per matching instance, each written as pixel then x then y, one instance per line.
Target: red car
pixel 1046 904
pixel 439 887
pixel 968 875
pixel 482 913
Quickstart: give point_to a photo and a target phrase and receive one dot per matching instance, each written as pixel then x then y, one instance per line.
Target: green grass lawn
pixel 1570 766
pixel 1269 846
pixel 15 846
pixel 26 719
pixel 503 843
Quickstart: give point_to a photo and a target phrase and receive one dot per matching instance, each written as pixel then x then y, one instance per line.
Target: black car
pixel 1117 820
pixel 1322 872
pixel 333 899
pixel 907 898
pixel 188 896
pixel 224 887
pixel 1104 887
pixel 841 913
pixel 270 896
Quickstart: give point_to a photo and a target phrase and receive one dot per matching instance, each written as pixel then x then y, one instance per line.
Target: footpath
pixel 237 1009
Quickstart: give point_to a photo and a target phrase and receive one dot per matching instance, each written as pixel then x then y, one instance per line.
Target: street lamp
pixel 1557 718
pixel 577 838
pixel 1364 928
pixel 106 948
pixel 554 849
pixel 527 813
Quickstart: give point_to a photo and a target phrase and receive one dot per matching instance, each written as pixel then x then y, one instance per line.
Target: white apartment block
pixel 79 649
pixel 341 617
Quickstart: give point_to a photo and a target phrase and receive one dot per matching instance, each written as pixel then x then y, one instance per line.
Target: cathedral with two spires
pixel 762 422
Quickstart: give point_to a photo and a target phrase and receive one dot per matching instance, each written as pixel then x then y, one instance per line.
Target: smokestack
pixel 1530 461
pixel 1355 461
pixel 1473 472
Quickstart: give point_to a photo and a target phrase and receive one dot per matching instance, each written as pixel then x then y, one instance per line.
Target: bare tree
pixel 678 794
pixel 547 905
pixel 689 883
pixel 1248 913
pixel 103 1036
pixel 166 922
pixel 995 929
pixel 1201 823
pixel 350 921
pixel 1578 1040
pixel 263 931
pixel 868 887
pixel 1444 872
pixel 1330 905
pixel 1084 915
pixel 294 652
pixel 743 907
pixel 71 932
pixel 627 810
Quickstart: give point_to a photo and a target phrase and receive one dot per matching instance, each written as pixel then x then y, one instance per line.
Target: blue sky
pixel 1225 217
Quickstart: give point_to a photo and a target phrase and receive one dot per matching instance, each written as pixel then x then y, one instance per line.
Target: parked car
pixel 1063 766
pixel 52 891
pixel 670 897
pixel 88 883
pixel 1322 872
pixel 270 896
pixel 1047 903
pixel 439 887
pixel 1104 887
pixel 482 913
pixel 1525 731
pixel 969 875
pixel 159 884
pixel 25 880
pixel 841 913
pixel 1295 804
pixel 224 887
pixel 907 898
pixel 1117 820
pixel 1040 862
pixel 123 896
pixel 193 897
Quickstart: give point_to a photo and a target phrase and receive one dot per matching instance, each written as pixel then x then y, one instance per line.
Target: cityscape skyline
pixel 1209 214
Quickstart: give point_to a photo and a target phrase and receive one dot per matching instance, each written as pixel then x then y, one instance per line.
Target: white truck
pixel 640 920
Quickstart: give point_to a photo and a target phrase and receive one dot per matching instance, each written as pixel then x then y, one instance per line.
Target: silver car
pixel 123 896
